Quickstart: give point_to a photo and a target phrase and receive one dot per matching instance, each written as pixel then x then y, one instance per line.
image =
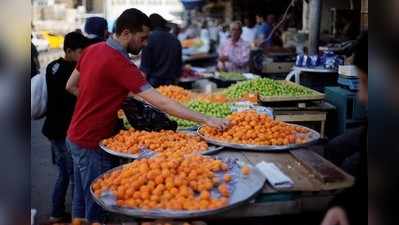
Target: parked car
pixel 54 40
pixel 40 42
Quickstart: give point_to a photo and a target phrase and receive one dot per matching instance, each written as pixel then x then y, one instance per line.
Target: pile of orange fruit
pixel 131 141
pixel 249 127
pixel 213 98
pixel 176 93
pixel 168 181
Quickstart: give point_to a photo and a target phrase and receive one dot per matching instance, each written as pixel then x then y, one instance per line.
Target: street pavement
pixel 43 173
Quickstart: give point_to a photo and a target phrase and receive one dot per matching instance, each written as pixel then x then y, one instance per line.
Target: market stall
pixel 269 159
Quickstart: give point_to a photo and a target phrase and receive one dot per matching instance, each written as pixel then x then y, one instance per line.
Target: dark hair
pixel 96 25
pixel 157 21
pixel 75 40
pixel 360 58
pixel 260 14
pixel 133 20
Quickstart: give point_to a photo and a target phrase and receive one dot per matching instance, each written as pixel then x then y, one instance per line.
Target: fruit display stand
pixel 316 182
pixel 244 188
pixel 313 138
pixel 314 96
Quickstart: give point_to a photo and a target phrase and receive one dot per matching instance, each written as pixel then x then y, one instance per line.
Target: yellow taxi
pixel 54 40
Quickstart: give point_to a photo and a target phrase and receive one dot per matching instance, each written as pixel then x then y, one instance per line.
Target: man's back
pixel 60 104
pixel 106 77
pixel 161 60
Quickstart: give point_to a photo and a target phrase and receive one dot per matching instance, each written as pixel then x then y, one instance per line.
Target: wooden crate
pixel 303 117
pixel 317 96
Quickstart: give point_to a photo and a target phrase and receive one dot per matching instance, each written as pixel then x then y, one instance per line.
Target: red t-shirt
pixel 106 77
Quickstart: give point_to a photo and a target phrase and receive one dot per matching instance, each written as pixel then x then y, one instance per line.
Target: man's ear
pixel 68 51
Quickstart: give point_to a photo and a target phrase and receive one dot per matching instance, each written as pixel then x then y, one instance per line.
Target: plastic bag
pixel 143 116
pixel 38 97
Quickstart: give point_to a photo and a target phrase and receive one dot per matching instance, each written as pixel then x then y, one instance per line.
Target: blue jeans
pixel 63 160
pixel 88 164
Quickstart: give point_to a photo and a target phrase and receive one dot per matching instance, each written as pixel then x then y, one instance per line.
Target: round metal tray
pixel 313 138
pixel 243 188
pixel 212 149
pixel 188 129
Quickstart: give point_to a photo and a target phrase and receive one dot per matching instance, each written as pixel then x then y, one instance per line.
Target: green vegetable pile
pixel 211 109
pixel 265 87
pixel 231 76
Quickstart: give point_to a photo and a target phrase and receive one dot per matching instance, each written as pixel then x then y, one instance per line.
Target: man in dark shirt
pixel 34 63
pixel 60 107
pixel 161 60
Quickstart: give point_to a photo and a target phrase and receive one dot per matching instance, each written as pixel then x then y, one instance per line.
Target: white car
pixel 40 42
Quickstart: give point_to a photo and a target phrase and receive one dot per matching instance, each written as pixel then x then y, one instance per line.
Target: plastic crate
pixel 348 108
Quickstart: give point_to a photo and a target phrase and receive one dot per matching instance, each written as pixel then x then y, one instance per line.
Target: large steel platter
pixel 242 189
pixel 212 149
pixel 313 137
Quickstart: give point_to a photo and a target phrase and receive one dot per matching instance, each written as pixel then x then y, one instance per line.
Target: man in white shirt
pixel 249 30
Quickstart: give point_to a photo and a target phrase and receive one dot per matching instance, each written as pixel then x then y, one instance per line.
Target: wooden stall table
pixel 299 109
pixel 305 112
pixel 316 182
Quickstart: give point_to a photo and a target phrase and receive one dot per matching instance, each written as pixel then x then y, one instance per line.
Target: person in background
pixel 234 54
pixel 263 30
pixel 34 60
pixel 60 107
pixel 213 31
pixel 205 38
pixel 161 59
pixel 350 206
pixel 249 30
pixel 96 29
pixel 103 78
pixel 223 34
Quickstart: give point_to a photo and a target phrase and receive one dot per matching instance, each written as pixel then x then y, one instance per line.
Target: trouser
pixel 88 164
pixel 62 158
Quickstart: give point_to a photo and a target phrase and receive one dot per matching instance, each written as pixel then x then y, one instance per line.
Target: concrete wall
pixel 95 6
pixel 326 12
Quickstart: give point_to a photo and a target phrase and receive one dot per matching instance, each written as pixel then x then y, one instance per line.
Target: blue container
pixel 306 61
pixel 299 60
pixel 314 60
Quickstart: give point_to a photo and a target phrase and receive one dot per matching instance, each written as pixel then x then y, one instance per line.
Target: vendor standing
pixel 161 60
pixel 234 53
pixel 103 78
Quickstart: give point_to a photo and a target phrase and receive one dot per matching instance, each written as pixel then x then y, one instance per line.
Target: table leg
pixel 323 123
pixel 297 76
pixel 290 75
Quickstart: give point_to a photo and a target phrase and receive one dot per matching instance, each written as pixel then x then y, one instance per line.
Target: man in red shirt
pixel 103 78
